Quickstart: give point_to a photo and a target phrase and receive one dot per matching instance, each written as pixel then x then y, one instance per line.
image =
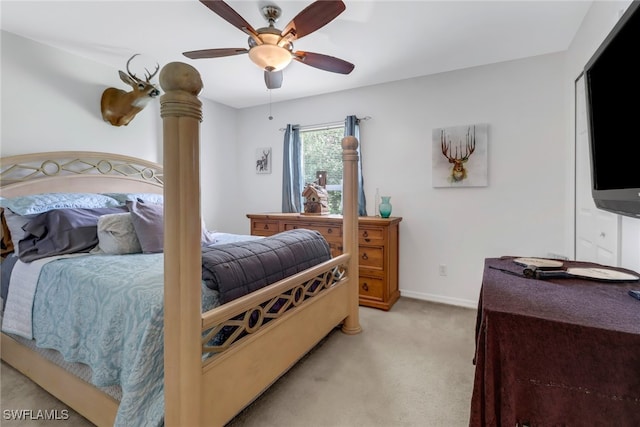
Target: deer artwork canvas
pixel 263 160
pixel 459 156
pixel 120 107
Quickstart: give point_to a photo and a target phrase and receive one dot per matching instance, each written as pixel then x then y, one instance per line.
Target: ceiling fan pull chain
pixel 270 116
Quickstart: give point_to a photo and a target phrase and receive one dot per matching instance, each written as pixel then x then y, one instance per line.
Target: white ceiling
pixel 386 40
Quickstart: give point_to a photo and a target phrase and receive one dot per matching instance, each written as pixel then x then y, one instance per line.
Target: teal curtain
pixel 292 171
pixel 352 128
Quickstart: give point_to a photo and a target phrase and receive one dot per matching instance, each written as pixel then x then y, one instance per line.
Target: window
pixel 322 153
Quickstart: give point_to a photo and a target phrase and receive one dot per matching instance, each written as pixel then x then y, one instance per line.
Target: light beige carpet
pixel 411 366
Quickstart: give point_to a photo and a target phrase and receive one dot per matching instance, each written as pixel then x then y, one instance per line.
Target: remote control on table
pixel 635 294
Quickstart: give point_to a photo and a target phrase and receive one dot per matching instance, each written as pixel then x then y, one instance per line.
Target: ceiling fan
pixel 270 48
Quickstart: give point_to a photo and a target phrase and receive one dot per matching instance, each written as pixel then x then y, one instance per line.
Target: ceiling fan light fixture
pixel 269 57
pixel 270 48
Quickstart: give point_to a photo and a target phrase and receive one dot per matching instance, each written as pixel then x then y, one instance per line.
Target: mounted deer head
pixel 458 171
pixel 120 107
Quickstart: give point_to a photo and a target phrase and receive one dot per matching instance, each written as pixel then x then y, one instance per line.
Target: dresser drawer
pixel 331 233
pixel 371 257
pixel 370 235
pixel 336 249
pixel 371 287
pixel 263 227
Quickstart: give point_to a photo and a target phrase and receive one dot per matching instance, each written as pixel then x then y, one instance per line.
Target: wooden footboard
pixel 239 376
pixel 316 302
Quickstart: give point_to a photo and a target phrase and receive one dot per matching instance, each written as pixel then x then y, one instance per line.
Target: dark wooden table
pixel 561 352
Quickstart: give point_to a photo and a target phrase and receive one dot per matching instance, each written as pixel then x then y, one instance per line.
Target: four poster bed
pixel 213 361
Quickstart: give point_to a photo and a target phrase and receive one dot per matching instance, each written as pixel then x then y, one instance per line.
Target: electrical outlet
pixel 442 269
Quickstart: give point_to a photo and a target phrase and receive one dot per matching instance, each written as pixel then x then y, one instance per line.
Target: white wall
pixel 600 19
pixel 520 212
pixel 51 102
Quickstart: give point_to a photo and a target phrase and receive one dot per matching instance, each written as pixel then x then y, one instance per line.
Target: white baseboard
pixel 440 299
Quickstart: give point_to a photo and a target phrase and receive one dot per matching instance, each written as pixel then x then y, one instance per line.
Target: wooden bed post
pixel 350 229
pixel 181 113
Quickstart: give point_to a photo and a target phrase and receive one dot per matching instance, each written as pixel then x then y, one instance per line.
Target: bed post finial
pixel 181 84
pixel 350 229
pixel 181 76
pixel 181 112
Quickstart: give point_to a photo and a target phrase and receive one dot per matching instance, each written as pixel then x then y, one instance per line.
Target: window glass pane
pixel 322 151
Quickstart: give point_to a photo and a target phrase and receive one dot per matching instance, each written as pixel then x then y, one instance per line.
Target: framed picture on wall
pixel 459 156
pixel 263 160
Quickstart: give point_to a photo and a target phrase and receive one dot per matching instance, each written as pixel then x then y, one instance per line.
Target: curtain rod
pixel 329 124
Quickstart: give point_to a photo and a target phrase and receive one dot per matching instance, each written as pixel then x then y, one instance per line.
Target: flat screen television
pixel 612 80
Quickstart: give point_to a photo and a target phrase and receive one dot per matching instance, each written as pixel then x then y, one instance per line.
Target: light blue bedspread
pixel 108 312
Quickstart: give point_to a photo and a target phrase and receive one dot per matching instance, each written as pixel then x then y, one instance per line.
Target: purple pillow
pixel 148 221
pixel 62 231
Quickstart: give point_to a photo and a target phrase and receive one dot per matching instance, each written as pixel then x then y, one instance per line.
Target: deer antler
pixel 445 147
pixel 471 143
pixel 470 147
pixel 149 75
pixel 129 71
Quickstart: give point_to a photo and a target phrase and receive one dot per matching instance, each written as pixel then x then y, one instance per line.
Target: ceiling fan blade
pixel 273 79
pixel 214 53
pixel 324 62
pixel 312 18
pixel 227 13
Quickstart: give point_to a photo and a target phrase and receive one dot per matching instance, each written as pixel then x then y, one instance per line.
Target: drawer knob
pixel 329 230
pixel 266 226
pixel 365 234
pixel 365 286
pixel 295 227
pixel 364 256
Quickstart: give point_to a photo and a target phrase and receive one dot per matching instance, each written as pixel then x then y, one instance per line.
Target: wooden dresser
pixel 377 241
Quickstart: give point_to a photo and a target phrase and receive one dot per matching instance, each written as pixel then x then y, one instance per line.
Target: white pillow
pixel 116 235
pixel 38 203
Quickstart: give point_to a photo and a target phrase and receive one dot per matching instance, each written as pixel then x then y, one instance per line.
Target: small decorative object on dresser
pixel 385 207
pixel 378 249
pixel 316 200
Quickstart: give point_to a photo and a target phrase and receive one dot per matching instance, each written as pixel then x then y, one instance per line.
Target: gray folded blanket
pixel 237 269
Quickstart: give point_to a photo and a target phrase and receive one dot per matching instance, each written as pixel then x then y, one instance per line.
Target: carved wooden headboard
pixel 78 171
